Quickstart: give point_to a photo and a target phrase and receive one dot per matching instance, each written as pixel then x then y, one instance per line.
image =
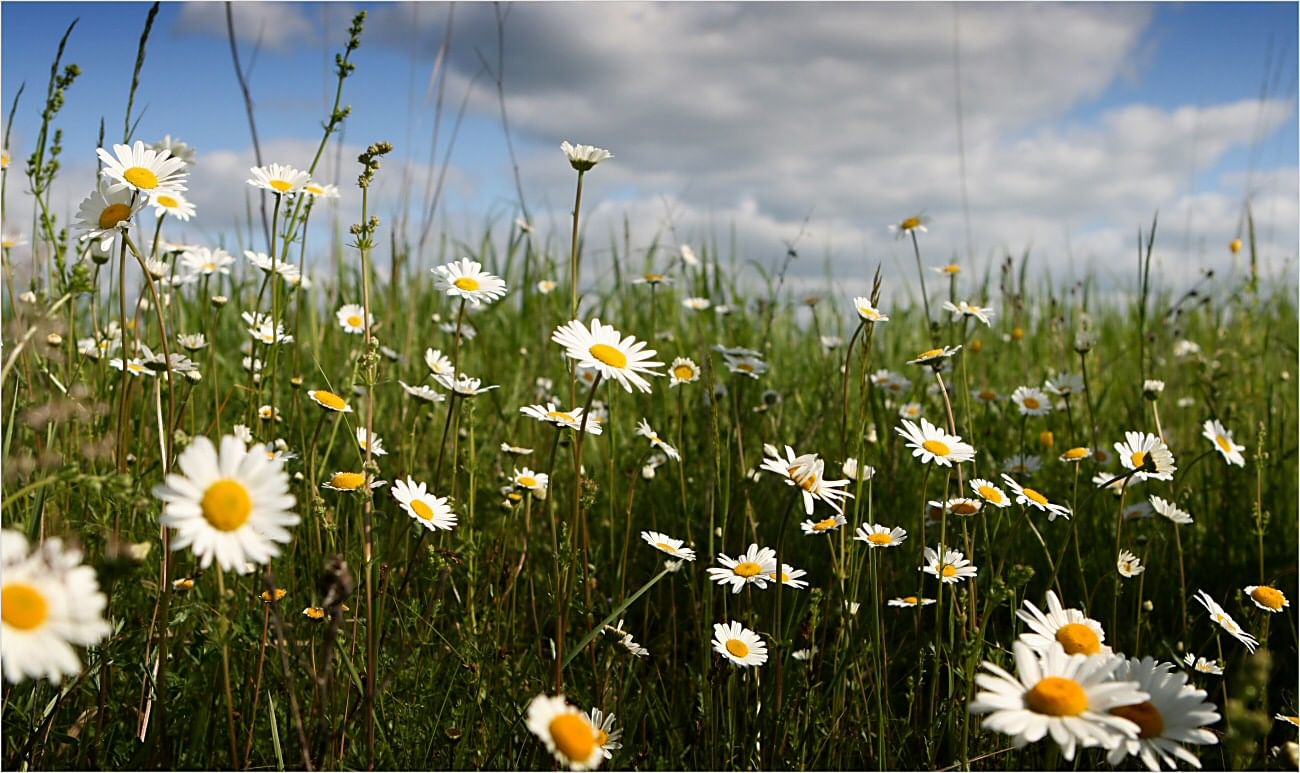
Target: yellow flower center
pixel 664 546
pixel 1235 246
pixel 738 648
pixel 1078 638
pixel 354 321
pixel 948 570
pixel 1150 722
pixel 135 367
pixel 1017 333
pixel 910 223
pixel 279 594
pixel 114 214
pixel 527 481
pixel 809 483
pixel 988 395
pixel 23 606
pixel 829 523
pixel 574 736
pixel 1223 443
pixel 354 480
pixel 602 738
pixel 965 508
pixel 929 353
pixel 683 372
pixel 315 613
pixel 1057 696
pixel 936 447
pixel 1032 403
pixel 747 569
pixel 283 186
pixel 330 400
pixel 1036 497
pixel 420 508
pixel 142 178
pixel 313 189
pixel 609 355
pixel 167 201
pixel 654 277
pixel 1138 458
pixel 561 416
pixel 1076 453
pixel 952 268
pixel 991 494
pixel 467 283
pixel 913 600
pixel 226 505
pixel 1269 597
pixel 881 538
pixel 745 366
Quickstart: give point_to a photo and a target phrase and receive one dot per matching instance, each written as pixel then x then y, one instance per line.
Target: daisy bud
pixel 219 300
pixel 1046 439
pixel 977 346
pixel 1151 389
pixel 54 340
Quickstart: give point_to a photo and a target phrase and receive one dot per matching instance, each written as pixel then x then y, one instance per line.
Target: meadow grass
pixel 430 646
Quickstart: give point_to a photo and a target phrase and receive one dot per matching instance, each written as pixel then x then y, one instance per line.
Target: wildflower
pixel 104 212
pixel 1031 498
pixel 877 536
pixel 422 392
pixel 600 348
pixel 49 601
pixel 696 304
pixel 867 312
pixel 568 733
pixel 535 482
pixel 192 341
pixel 1219 615
pixel 1076 455
pixel 561 418
pixel 909 225
pixel 1067 696
pixel 439 364
pixel 182 584
pixel 986 395
pixel 1175 713
pixel 932 444
pixel 910 601
pixel 643 429
pixel 314 614
pixel 853 471
pixel 353 318
pixel 583 157
pixel 950 566
pixel 606 735
pixel 506 448
pixel 823 526
pixel 463 385
pixel 910 411
pixel 372 443
pixel 1202 665
pixel 433 513
pixel 1215 432
pixel 1129 565
pixel 951 269
pixel 738 644
pixel 990 493
pixel 1064 385
pixel 1031 401
pixel 1186 348
pixel 1147 454
pixel 753 566
pixel 790 577
pixel 174 204
pixel 280 179
pixel 962 506
pixel 135 366
pixel 688 256
pixel 270 598
pixel 683 371
pixel 321 190
pixel 546 286
pixel 964 309
pixel 745 365
pixel 806 471
pixel 352 482
pixel 329 401
pixel 672 547
pixel 1070 628
pixel 1170 511
pixel 137 168
pixel 1151 389
pixel 229 503
pixel 1267 598
pixel 466 279
pixel 269 413
pixel 932 357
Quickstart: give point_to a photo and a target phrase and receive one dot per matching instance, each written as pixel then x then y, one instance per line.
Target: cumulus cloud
pixel 271 25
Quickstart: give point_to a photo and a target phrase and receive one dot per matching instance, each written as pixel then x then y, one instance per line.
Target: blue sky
pixel 1071 92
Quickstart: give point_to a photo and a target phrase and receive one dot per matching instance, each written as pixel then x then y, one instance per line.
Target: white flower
pixel 202 261
pixel 279 179
pixel 463 385
pixel 138 168
pixel 104 212
pixel 433 513
pixel 950 566
pixel 600 348
pixel 1202 666
pixel 1129 565
pixel 1219 615
pixel 1214 431
pixel 584 157
pixel 738 644
pixel 1031 401
pixel 964 309
pixel 672 547
pixel 1032 498
pixel 1171 511
pixel 867 312
pixel 643 429
pixel 567 732
pixel 374 443
pixel 439 364
pixel 1148 454
pixel 696 304
pixel 932 444
pixel 1175 713
pixel 353 318
pixel 753 566
pixel 683 371
pixel 466 279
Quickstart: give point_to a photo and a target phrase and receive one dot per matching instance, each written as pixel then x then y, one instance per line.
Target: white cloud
pixel 272 25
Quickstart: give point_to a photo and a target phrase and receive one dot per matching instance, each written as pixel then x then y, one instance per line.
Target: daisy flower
pixel 372 443
pixel 104 212
pixel 329 401
pixel 986 395
pixel 49 601
pixel 1070 628
pixel 1148 454
pixel 934 356
pixel 269 413
pixel 963 309
pixel 853 471
pixel 422 392
pixel 910 411
pixel 1202 665
pixel 1152 389
pixel 547 286
pixel 790 577
pixel 535 482
pixel 172 204
pixel 990 493
pixel 1075 455
pixel 352 318
pixel 1067 696
pixel 433 513
pixel 201 261
pixel 192 342
pixel 561 418
pixel 506 448
pixel 467 280
pixel 753 566
pixel 135 366
pixel 1129 565
pixel 583 157
pixel 909 225
pixel 139 168
pixel 806 472
pixel 1291 720
pixel 867 312
pixel 696 303
pixel 229 503
pixel 321 190
pixel 1219 615
pixel 1267 598
pixel 683 371
pixel 567 732
pixel 948 268
pixel 439 364
pixel 738 644
pixel 463 385
pixel 1031 401
pixel 672 547
pixel 279 179
pixel 932 444
pixel 823 526
pixel 1031 498
pixel 643 429
pixel 606 735
pixel 1175 713
pixel 951 568
pixel 910 601
pixel 600 348
pixel 652 279
pixel 962 506
pixel 1215 432
pixel 351 482
pixel 878 536
pixel 1170 511
pixel 1064 385
pixel 745 365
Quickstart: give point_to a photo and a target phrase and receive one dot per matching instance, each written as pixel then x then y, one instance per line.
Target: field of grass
pixel 398 646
